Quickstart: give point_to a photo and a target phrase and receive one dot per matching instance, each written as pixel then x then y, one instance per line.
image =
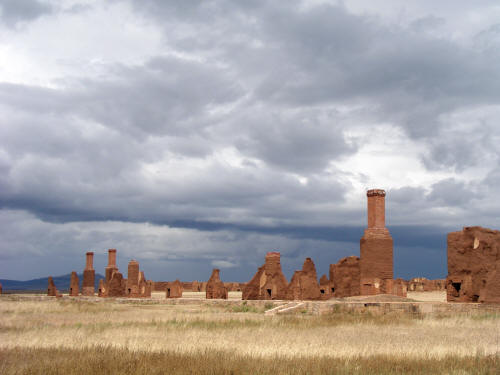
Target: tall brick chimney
pixel 376 247
pixel 88 276
pixel 89 261
pixel 111 268
pixel 376 208
pixel 112 258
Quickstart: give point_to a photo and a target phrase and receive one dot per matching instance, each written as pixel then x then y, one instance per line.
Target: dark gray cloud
pixel 235 132
pixel 14 12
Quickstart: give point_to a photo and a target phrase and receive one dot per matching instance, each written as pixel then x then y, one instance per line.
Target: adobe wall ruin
pixel 269 282
pixel 111 267
pixel 421 284
pixel 473 265
pixel 345 277
pixel 74 285
pixel 304 284
pixel 376 247
pixel 88 285
pixel 215 287
pixel 174 289
pixel 325 287
pixel 51 288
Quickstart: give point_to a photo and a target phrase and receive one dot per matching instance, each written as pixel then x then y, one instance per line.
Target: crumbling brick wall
pixel 269 282
pixel 215 287
pixel 421 284
pixel 345 277
pixel 51 288
pixel 132 289
pixel 325 287
pixel 473 260
pixel 74 285
pixel 304 284
pixel 174 289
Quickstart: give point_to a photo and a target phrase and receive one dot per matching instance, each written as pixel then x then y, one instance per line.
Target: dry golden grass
pixel 244 332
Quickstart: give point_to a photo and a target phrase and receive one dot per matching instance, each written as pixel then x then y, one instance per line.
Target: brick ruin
pixel 215 287
pixel 421 284
pixel 269 282
pixel 376 254
pixel 51 288
pixel 74 285
pixel 473 271
pixel 345 277
pixel 174 289
pixel 473 265
pixel 88 285
pixel 304 284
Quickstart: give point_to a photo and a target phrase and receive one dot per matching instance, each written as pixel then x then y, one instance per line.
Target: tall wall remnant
pixel 376 247
pixel 88 286
pixel 111 267
pixel 269 282
pixel 304 284
pixel 174 289
pixel 133 279
pixel 345 277
pixel 74 285
pixel 51 288
pixel 215 287
pixel 473 265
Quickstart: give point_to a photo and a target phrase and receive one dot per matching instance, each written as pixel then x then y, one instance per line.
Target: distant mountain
pixel 62 283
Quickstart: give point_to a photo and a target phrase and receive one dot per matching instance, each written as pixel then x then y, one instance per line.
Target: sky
pixel 195 135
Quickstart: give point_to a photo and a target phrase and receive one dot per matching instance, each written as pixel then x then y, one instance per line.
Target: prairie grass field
pixel 73 336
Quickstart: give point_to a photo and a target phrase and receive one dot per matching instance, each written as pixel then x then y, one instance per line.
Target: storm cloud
pixel 207 133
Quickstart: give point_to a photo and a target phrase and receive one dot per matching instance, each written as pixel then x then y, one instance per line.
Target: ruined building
pixel 132 289
pixel 269 282
pixel 376 254
pixel 74 285
pixel 215 288
pixel 325 287
pixel 88 285
pixel 111 267
pixel 421 284
pixel 174 289
pixel 473 265
pixel 304 284
pixel 51 288
pixel 345 277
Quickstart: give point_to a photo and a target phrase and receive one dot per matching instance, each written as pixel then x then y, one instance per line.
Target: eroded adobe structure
pixel 325 287
pixel 88 285
pixel 473 265
pixel 111 267
pixel 51 288
pixel 174 289
pixel 136 283
pixel 345 277
pixel 215 287
pixel 421 284
pixel 269 282
pixel 132 290
pixel 74 285
pixel 376 253
pixel 304 284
